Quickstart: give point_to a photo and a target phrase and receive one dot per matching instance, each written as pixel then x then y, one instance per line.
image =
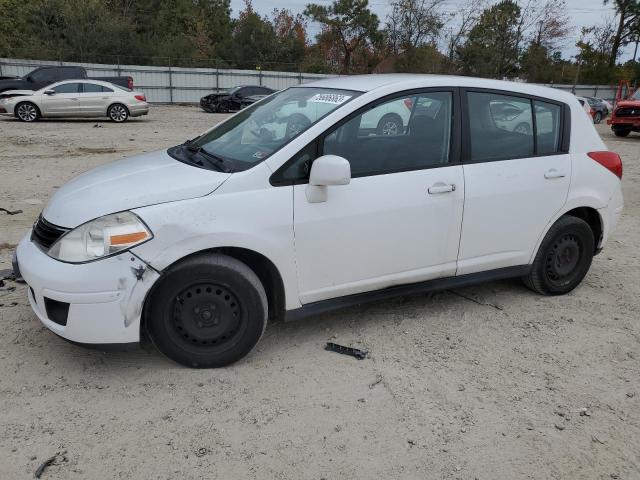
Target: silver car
pixel 74 98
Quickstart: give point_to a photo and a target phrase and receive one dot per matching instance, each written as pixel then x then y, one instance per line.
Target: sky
pixel 581 12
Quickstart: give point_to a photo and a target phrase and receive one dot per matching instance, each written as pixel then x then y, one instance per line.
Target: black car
pixel 599 108
pixel 235 99
pixel 43 76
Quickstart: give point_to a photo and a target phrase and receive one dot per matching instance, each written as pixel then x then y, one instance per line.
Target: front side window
pixel 255 133
pixel 500 126
pixel 406 133
pixel 67 88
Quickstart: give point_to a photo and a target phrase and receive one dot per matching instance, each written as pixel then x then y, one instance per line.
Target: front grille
pixel 45 234
pixel 628 112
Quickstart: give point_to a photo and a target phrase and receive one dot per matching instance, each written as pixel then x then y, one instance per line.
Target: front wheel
pixel 27 112
pixel 118 113
pixel 597 118
pixel 563 259
pixel 207 311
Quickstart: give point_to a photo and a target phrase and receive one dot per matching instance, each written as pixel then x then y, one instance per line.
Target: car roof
pixel 372 82
pixel 84 80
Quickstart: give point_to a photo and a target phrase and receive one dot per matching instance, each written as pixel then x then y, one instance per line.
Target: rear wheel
pixel 207 311
pixel 621 133
pixel 27 112
pixel 563 259
pixel 118 113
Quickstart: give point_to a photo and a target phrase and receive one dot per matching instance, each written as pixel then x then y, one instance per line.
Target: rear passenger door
pixel 399 219
pixel 517 172
pixel 94 99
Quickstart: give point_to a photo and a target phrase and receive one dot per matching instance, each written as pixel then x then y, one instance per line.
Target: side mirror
pixel 49 92
pixel 30 79
pixel 327 170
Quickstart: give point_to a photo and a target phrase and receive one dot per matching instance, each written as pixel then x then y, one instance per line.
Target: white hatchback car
pixel 74 99
pixel 199 245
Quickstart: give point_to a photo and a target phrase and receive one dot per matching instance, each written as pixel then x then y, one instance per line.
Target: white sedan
pixel 74 98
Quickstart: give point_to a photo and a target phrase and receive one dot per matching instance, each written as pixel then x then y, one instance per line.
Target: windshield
pixel 256 132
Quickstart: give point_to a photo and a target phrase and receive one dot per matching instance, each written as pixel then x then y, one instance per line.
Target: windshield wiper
pixel 212 159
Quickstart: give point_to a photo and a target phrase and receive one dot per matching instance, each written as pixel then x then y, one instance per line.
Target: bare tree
pixel 465 19
pixel 413 23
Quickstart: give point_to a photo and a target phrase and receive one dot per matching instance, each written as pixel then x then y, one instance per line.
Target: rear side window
pixel 500 126
pixel 548 117
pixel 67 88
pixel 93 88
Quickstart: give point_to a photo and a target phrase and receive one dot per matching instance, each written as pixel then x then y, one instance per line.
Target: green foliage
pixel 491 49
pixel 350 24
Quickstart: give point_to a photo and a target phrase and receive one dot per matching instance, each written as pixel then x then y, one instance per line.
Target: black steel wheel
pixel 564 257
pixel 27 112
pixel 206 311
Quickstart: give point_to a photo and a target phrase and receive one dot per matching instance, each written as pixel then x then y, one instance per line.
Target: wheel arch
pixel 263 267
pixel 20 102
pixel 117 103
pixel 587 212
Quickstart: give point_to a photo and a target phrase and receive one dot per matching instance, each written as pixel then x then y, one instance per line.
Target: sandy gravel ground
pixel 487 382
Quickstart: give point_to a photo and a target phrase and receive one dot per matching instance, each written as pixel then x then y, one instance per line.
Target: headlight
pixel 101 238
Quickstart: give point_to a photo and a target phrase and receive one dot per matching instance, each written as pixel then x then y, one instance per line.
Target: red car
pixel 625 117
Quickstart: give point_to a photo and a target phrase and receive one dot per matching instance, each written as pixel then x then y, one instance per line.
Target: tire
pixel 207 311
pixel 27 112
pixel 523 128
pixel 597 118
pixel 563 259
pixel 220 108
pixel 118 113
pixel 621 133
pixel 390 124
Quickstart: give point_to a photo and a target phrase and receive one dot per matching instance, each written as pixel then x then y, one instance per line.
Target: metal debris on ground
pixel 50 461
pixel 10 212
pixel 354 352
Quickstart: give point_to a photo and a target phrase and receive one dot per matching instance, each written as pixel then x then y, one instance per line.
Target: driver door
pixel 64 102
pixel 399 219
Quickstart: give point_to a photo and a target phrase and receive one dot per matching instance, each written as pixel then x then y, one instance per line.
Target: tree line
pixel 509 39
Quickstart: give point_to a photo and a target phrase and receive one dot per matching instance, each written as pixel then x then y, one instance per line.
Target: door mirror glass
pixel 330 170
pixel 49 92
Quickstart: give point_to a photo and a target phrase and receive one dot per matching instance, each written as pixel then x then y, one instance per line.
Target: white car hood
pixel 18 92
pixel 134 182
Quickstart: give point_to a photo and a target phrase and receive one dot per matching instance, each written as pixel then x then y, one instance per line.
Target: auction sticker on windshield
pixel 333 98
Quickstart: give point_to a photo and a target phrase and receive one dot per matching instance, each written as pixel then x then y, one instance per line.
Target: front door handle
pixel 553 173
pixel 441 187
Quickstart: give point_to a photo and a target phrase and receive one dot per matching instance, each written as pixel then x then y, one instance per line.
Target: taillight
pixel 609 160
pixel 130 83
pixel 408 103
pixel 141 98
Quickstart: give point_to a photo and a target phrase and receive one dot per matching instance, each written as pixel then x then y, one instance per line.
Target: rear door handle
pixel 553 173
pixel 441 187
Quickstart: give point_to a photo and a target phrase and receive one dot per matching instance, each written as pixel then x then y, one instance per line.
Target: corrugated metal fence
pixel 172 84
pixel 178 84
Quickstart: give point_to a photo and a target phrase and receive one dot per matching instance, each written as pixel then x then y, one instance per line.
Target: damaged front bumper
pixel 98 302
